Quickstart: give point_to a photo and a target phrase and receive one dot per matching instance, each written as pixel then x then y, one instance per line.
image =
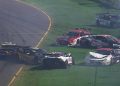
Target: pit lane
pixel 20 24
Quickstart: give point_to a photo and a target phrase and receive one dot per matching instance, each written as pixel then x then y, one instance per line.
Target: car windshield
pixel 103 52
pixel 40 51
pixel 56 54
pixel 116 17
pixel 72 34
pixel 53 55
pixel 112 38
pixel 117 51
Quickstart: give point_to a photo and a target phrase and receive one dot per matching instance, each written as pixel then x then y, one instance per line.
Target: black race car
pixel 57 60
pixel 25 54
pixel 108 19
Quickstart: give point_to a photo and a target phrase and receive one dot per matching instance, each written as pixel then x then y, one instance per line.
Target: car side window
pixel 107 17
pixel 82 33
pixel 117 52
pixel 83 39
pixel 103 39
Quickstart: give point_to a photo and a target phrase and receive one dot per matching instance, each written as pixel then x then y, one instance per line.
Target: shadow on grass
pixel 36 68
pixel 90 3
pixel 56 45
pixel 91 65
pixel 40 67
pixel 102 26
pixel 96 65
pixel 84 2
pixel 102 5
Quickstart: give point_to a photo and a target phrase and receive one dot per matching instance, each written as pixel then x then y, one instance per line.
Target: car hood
pixel 65 38
pixel 59 57
pixel 100 42
pixel 97 55
pixel 118 41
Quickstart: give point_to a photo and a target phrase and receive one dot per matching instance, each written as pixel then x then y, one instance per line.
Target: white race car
pixel 103 56
pixel 57 60
pixel 8 44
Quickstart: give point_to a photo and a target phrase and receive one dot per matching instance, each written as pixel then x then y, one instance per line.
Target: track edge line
pixel 49 18
pixel 14 77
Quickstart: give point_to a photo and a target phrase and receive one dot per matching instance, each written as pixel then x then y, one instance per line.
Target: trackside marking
pixel 44 35
pixel 14 77
pixel 49 18
pixel 19 71
pixel 11 81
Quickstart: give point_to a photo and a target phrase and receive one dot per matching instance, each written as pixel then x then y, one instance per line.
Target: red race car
pixel 72 37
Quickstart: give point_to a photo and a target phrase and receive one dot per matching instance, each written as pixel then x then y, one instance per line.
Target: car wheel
pixel 66 62
pixel 35 60
pixel 78 43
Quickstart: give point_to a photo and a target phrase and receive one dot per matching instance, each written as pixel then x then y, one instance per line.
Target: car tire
pixel 66 62
pixel 73 61
pixel 78 43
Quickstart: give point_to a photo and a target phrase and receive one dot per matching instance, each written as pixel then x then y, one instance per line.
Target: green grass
pixel 73 76
pixel 65 15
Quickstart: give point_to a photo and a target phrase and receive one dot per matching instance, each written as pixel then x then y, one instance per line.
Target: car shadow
pixel 101 26
pixel 40 67
pixel 56 45
pixel 91 65
pixel 90 3
pixel 10 59
pixel 103 5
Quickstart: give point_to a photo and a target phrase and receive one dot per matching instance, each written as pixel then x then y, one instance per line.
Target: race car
pixel 108 19
pixel 8 49
pixel 57 60
pixel 72 37
pixel 25 54
pixel 91 42
pixel 11 47
pixel 99 41
pixel 103 56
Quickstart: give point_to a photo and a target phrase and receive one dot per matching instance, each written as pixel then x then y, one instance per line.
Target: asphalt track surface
pixel 23 25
